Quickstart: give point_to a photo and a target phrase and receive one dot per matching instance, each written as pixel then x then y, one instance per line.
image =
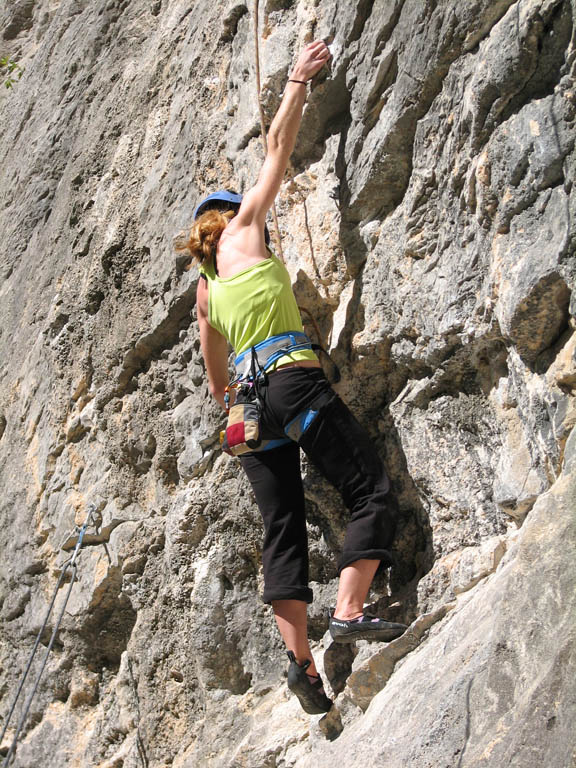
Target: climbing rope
pixel 68 565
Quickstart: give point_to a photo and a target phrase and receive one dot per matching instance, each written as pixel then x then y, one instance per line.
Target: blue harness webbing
pixel 270 351
pixel 266 353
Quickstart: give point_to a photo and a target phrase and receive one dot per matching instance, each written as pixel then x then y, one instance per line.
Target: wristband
pixel 302 82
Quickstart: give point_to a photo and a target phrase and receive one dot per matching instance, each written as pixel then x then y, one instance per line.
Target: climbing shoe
pixel 365 628
pixel 309 691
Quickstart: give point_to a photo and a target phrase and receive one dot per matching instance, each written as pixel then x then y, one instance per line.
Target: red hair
pixel 206 232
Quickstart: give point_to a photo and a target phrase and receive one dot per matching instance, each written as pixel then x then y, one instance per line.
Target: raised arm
pixel 282 137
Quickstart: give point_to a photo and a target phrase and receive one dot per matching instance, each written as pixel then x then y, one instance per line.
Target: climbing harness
pixel 270 350
pixel 273 348
pixel 68 565
pixel 243 433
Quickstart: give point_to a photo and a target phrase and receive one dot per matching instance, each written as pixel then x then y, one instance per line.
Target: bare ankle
pixel 346 610
pixel 347 615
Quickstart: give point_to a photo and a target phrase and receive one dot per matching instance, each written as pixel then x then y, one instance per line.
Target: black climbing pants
pixel 343 452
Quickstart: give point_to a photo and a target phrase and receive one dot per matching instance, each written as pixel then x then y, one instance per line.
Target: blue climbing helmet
pixel 222 196
pixel 218 200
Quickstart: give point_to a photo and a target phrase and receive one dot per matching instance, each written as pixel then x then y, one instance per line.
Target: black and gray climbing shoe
pixel 309 691
pixel 365 628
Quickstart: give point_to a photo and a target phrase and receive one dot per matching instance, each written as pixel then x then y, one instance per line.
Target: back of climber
pixel 245 297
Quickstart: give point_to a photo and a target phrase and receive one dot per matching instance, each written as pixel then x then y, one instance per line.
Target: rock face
pixel 428 225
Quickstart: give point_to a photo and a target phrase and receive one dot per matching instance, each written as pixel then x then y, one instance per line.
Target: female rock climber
pixel 245 298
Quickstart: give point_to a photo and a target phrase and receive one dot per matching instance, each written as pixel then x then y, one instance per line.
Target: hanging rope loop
pixel 70 564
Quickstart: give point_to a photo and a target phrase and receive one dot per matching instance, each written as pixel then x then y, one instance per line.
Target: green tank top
pixel 253 305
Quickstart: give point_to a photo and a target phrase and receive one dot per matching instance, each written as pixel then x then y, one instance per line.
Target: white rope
pixel 70 564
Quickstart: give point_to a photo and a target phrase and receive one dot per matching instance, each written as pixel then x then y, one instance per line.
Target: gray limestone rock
pixel 493 683
pixel 428 225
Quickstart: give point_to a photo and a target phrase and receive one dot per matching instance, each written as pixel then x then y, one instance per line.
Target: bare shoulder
pixel 240 247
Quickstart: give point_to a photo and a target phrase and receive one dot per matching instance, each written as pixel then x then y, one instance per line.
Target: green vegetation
pixel 10 70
